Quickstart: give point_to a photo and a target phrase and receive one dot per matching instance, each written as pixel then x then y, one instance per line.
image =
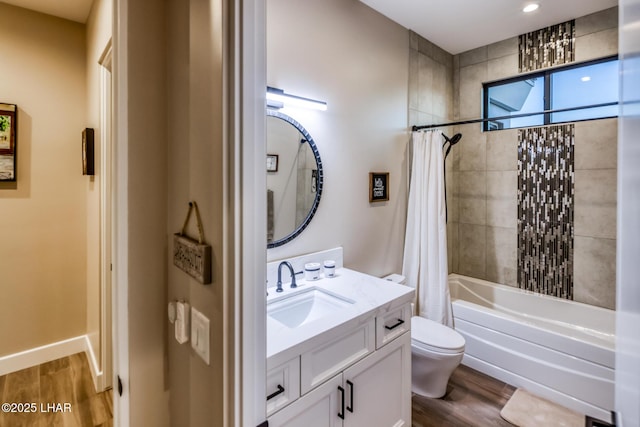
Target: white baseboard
pixel 96 373
pixel 47 353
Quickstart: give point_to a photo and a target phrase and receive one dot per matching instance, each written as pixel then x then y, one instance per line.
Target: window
pixel 512 103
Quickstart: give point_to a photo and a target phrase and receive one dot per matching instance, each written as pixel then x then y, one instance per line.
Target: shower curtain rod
pixel 516 116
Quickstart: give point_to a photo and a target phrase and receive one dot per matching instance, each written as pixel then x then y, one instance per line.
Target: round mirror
pixel 294 178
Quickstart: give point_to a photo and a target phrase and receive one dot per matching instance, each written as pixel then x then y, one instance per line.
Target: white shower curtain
pixel 425 246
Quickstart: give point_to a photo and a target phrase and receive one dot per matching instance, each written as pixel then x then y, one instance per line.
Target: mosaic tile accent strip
pixel 547 47
pixel 545 209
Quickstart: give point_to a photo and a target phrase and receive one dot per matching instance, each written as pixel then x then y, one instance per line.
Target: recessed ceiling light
pixel 531 7
pixel 585 78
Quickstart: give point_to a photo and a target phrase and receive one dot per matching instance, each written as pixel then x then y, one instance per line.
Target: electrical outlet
pixel 200 334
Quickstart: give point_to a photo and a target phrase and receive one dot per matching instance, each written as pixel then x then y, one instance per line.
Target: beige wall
pixel 357 61
pixel 175 154
pixel 483 191
pixel 146 171
pixel 98 35
pixel 196 173
pixel 43 228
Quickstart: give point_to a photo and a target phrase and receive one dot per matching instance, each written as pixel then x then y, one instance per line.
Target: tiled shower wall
pixel 430 82
pixel 482 174
pixel 431 100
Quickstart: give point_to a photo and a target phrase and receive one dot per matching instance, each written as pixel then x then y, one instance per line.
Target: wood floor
pixel 47 388
pixel 472 399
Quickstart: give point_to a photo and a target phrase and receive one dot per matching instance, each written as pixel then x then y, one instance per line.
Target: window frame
pixel 546 75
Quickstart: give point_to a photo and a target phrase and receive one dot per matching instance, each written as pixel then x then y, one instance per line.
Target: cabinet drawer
pixel 391 325
pixel 323 362
pixel 283 385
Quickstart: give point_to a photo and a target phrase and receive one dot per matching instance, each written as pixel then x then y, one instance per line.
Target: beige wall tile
pixel 452 246
pixel 413 40
pixel 597 45
pixel 502 198
pixel 474 56
pixel 471 79
pixel 503 67
pixel 594 271
pixel 472 210
pixel 472 250
pixel 413 78
pixel 472 149
pixel 502 150
pixel 503 48
pixel 443 57
pixel 596 144
pixel 599 21
pixel 425 84
pixel 440 95
pixel 453 200
pixel 425 46
pixel 472 200
pixel 413 117
pixel 595 203
pixel 502 256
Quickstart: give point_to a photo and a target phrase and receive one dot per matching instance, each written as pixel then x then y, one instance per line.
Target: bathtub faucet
pixel 293 275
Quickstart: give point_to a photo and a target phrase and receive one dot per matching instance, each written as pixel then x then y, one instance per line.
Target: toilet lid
pixel 429 334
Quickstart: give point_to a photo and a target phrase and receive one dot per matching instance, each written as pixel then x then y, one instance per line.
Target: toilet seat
pixel 432 336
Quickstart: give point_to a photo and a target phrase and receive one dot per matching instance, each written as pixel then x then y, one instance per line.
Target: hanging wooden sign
pixel 190 255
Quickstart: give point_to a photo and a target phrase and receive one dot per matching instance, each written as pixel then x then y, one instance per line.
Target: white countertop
pixel 372 296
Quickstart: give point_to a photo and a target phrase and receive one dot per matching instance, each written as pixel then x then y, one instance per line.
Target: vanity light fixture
pixel 531 7
pixel 277 98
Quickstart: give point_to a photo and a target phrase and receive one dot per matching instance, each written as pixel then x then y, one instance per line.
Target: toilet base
pixel 430 371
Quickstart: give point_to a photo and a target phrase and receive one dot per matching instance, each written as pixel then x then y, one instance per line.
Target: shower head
pixel 452 141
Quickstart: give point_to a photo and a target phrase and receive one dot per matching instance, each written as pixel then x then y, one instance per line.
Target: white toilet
pixel 436 350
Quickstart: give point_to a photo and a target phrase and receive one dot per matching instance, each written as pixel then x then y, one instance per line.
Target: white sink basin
pixel 306 306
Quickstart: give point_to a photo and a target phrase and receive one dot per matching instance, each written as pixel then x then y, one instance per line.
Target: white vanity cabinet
pixel 378 388
pixel 373 392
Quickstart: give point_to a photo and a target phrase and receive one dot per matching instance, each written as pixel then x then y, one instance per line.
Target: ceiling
pixel 74 10
pixel 454 25
pixel 460 25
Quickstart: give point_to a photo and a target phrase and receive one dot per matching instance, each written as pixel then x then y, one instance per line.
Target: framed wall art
pixel 272 163
pixel 8 141
pixel 378 187
pixel 88 146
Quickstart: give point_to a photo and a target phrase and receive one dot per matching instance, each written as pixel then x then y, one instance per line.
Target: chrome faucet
pixel 293 275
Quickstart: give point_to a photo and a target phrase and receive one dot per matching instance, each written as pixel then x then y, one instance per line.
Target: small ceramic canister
pixel 312 271
pixel 329 268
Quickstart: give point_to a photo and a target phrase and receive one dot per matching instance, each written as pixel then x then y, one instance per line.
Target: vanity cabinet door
pixel 378 388
pixel 318 408
pixel 283 385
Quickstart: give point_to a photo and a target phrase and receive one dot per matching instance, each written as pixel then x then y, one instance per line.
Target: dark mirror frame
pixel 319 178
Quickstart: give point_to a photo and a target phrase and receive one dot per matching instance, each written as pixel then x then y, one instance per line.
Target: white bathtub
pixel 558 349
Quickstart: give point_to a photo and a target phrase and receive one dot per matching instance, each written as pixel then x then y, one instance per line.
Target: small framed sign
pixel 272 163
pixel 378 187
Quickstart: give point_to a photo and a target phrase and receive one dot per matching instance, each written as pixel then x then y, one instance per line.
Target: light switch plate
pixel 200 334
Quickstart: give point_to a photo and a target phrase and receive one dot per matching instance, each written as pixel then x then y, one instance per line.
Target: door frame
pixel 106 215
pixel 120 222
pixel 247 126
